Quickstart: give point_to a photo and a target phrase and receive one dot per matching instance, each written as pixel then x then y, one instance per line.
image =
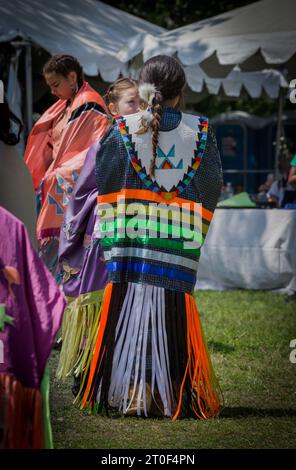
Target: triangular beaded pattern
pixel 141 171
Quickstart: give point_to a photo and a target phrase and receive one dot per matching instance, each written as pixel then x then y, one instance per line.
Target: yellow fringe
pixel 79 333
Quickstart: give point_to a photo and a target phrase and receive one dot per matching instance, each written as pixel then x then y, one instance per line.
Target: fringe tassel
pixel 143 308
pixel 206 397
pixel 150 356
pixel 21 413
pixel 44 390
pixel 88 392
pixel 79 333
pixel 140 324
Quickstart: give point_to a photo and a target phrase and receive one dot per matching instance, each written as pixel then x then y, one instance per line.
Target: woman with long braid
pixel 159 178
pixel 58 145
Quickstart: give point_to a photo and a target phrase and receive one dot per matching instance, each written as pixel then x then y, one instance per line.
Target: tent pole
pixel 279 131
pixel 29 88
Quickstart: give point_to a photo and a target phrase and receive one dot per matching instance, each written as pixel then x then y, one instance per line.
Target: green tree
pixel 178 13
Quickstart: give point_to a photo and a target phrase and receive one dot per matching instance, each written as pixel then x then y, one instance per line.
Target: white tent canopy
pixel 87 29
pixel 235 85
pixel 254 83
pixel 257 36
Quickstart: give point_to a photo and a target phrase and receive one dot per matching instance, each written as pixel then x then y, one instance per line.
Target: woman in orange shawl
pixel 57 147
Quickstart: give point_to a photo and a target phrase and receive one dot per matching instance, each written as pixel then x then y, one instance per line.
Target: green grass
pixel 248 334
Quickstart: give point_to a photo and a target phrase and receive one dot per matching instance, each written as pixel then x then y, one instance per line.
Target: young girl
pixel 122 97
pixel 81 257
pixel 150 355
pixel 57 147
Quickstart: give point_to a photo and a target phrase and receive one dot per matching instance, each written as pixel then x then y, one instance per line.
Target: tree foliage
pixel 175 14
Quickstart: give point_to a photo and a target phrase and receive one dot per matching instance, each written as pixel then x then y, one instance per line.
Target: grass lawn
pixel 248 334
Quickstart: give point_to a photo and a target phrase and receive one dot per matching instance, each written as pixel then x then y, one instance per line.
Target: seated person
pixel 265 187
pixel 282 191
pixel 292 182
pixel 292 173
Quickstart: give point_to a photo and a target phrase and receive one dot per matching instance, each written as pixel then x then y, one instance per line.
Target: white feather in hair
pixel 147 92
pixel 147 116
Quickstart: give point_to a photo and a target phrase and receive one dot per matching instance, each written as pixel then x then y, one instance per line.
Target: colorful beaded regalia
pixel 150 356
pixel 55 157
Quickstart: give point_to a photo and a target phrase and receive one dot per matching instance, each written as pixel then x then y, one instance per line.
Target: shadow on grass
pixel 243 412
pixel 214 346
pixel 226 413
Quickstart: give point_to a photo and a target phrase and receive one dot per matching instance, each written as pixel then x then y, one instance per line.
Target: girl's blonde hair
pixel 117 88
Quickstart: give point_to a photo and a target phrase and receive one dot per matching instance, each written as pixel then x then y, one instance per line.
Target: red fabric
pixel 21 416
pixel 55 166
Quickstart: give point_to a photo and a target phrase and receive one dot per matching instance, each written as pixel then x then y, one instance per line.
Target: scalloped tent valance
pixel 256 37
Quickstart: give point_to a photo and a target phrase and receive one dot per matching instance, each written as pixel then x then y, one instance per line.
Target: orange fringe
pixel 199 369
pixel 103 321
pixel 21 412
